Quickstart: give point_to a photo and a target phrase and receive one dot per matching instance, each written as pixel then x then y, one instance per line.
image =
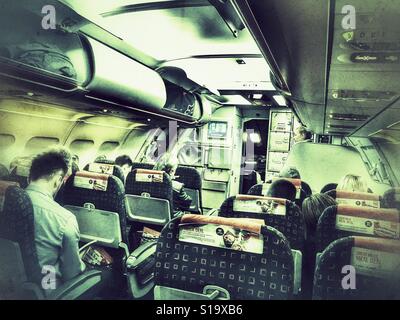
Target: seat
pixel 391 198
pixel 98 202
pixel 358 268
pixel 286 217
pixel 328 187
pixel 191 180
pixel 344 220
pixel 20 277
pixel 359 199
pixel 106 166
pixel 306 188
pixel 142 165
pixel 261 189
pixel 3 171
pixel 186 268
pixel 249 180
pixel 20 171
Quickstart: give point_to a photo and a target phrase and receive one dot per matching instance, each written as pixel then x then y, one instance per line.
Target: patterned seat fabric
pixel 160 190
pixel 3 171
pixel 244 275
pixel 190 177
pixel 327 231
pixel 292 225
pixel 328 278
pixel 117 171
pixel 17 224
pixel 112 199
pixel 22 180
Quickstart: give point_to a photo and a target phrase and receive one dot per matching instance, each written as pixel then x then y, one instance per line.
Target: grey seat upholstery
pixel 330 227
pixel 373 280
pixel 292 224
pixel 190 267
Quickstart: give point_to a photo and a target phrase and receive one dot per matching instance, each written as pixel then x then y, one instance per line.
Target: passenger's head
pixel 100 158
pixel 313 207
pixel 290 172
pixel 391 198
pixel 282 188
pixel 301 134
pixel 125 162
pixel 50 168
pixel 351 182
pixel 167 164
pixel 329 187
pixel 75 159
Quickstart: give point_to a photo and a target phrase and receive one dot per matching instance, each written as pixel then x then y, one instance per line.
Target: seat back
pixel 280 214
pixel 142 165
pixel 358 199
pixel 3 171
pixel 17 225
pixel 188 267
pixel 98 202
pixel 150 197
pixel 306 188
pixel 102 166
pixel 358 268
pixel 391 198
pixel 343 220
pixel 191 180
pixel 20 171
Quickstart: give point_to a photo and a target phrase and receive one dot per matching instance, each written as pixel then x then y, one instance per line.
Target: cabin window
pixel 37 144
pixel 108 148
pixel 6 141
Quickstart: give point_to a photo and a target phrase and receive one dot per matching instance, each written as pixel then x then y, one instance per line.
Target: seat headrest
pixel 101 167
pixel 21 166
pixel 145 175
pixel 91 180
pixel 259 204
pixel 360 199
pixel 391 198
pixel 251 225
pixel 386 245
pixel 376 222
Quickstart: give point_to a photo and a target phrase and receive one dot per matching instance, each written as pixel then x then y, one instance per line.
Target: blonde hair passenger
pixel 351 182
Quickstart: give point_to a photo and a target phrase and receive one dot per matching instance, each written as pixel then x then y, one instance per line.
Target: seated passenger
pixel 182 200
pixel 282 188
pixel 351 182
pixel 301 134
pixel 100 158
pixel 290 172
pixel 312 209
pixel 125 162
pixel 329 187
pixel 56 229
pixel 75 161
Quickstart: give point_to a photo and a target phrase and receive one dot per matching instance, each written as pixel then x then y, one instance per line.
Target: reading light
pixel 255 137
pixel 280 100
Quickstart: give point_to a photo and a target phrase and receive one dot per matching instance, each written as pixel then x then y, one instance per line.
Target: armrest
pixel 77 287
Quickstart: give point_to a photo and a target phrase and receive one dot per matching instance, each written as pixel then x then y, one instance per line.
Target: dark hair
pixel 282 188
pixel 290 172
pixel 46 164
pixel 312 208
pixel 391 198
pixel 165 164
pixel 123 160
pixel 304 132
pixel 329 187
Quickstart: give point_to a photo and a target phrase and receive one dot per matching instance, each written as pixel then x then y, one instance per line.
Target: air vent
pixel 336 126
pixel 348 117
pixel 363 95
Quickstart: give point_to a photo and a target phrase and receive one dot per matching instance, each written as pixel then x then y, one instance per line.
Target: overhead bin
pixel 117 76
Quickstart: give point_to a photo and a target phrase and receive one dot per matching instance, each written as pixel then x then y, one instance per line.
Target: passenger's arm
pixel 71 263
pixel 184 200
